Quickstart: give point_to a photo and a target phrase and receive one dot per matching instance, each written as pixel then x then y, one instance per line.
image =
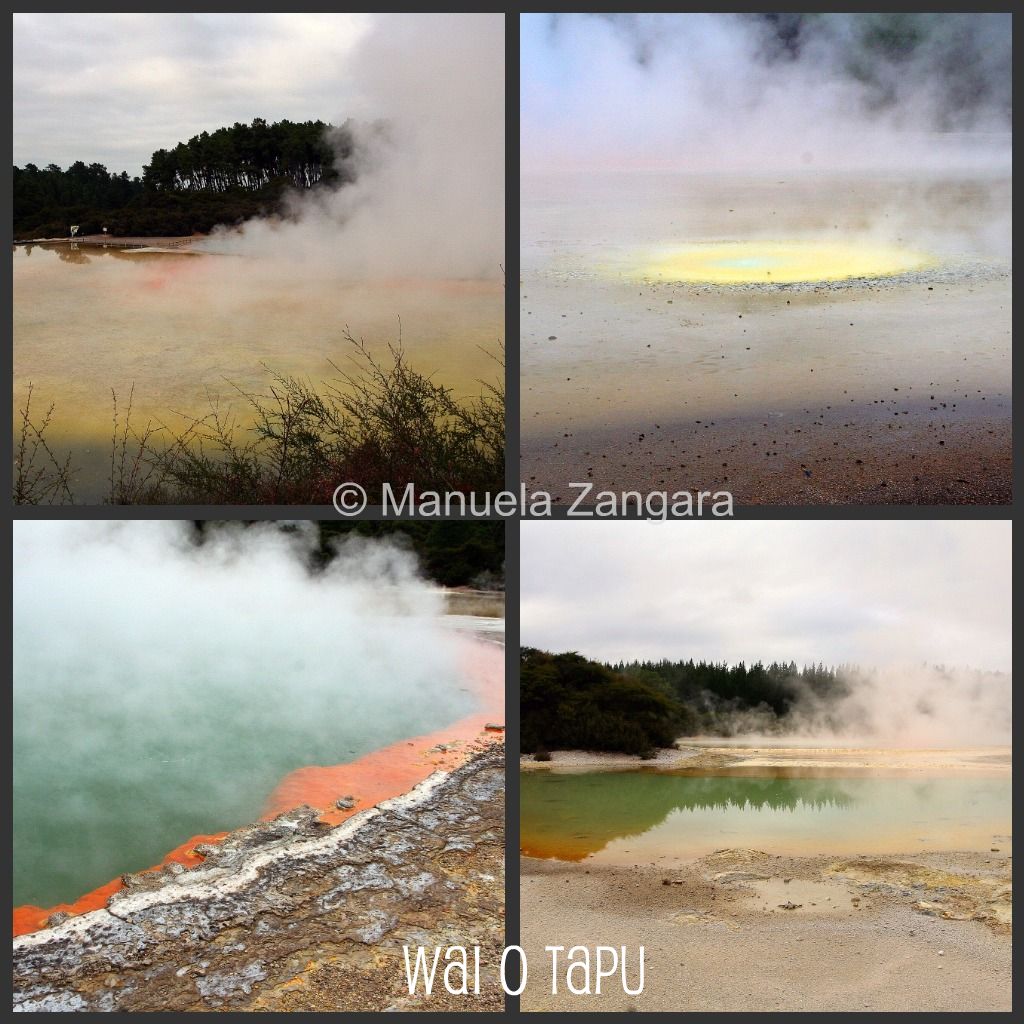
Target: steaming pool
pixel 181 325
pixel 153 774
pixel 771 263
pixel 166 692
pixel 646 815
pixel 762 335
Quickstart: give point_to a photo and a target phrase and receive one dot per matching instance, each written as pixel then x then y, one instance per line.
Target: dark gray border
pixel 512 483
pixel 512 546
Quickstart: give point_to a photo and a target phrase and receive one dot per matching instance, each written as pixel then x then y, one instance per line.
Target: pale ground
pixel 750 930
pixel 713 753
pixel 879 390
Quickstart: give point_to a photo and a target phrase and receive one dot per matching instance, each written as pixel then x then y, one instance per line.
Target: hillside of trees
pixel 571 703
pixel 220 177
pixel 719 699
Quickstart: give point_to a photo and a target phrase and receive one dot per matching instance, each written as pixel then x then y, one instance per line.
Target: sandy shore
pixel 922 932
pixel 712 754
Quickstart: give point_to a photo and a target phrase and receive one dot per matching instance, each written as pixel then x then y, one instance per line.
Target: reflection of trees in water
pixel 757 794
pixel 72 254
pixel 571 815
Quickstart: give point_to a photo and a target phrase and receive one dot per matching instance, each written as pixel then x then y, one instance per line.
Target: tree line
pixel 220 177
pixel 571 702
pixel 453 553
pixel 252 156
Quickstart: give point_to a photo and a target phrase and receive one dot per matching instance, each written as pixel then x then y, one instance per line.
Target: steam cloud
pixel 730 92
pixel 429 199
pixel 162 688
pixel 901 706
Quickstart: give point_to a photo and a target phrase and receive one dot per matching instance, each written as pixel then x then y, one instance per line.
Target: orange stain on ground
pixel 378 776
pixel 30 919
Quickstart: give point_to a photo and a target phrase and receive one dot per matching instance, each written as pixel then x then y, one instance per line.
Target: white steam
pixel 901 705
pixel 429 199
pixel 163 688
pixel 729 92
pixel 142 611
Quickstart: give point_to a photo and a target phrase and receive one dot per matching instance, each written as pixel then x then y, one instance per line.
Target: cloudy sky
pixel 875 593
pixel 112 88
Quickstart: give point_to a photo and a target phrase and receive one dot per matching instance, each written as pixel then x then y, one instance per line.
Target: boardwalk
pixel 140 241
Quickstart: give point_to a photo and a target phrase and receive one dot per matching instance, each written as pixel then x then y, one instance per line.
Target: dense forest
pixel 220 177
pixel 569 702
pixel 468 553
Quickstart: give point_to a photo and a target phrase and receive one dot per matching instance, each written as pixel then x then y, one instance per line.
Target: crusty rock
pixel 292 914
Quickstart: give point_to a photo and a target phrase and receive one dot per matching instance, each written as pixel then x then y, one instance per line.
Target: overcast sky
pixel 873 593
pixel 112 88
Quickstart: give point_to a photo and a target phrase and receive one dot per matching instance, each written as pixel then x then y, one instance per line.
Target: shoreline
pixel 322 914
pixel 378 776
pixel 161 242
pixel 709 753
pixel 753 928
pixel 748 930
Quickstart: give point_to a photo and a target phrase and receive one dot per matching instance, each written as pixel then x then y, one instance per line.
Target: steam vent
pixel 766 262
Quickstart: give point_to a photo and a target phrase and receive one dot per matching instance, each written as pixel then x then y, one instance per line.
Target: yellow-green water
pixel 185 328
pixel 642 816
pixel 779 262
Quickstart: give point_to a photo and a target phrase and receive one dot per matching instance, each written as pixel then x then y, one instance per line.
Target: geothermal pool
pixel 763 335
pixel 166 690
pixel 646 816
pixel 180 326
pixel 775 263
pixel 105 783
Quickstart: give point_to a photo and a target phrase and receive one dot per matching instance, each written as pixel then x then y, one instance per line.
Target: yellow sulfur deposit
pixel 781 262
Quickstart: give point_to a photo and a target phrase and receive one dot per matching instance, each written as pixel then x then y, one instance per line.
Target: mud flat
pixel 713 753
pixel 870 390
pixel 293 913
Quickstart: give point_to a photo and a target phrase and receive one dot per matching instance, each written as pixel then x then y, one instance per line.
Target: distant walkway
pixel 138 241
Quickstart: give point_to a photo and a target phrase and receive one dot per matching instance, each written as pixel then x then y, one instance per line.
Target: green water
pixel 646 815
pixel 108 780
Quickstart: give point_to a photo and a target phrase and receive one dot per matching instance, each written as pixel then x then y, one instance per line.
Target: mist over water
pixel 163 688
pixel 731 92
pixel 850 136
pixel 411 253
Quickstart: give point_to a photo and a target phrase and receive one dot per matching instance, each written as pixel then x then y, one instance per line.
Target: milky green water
pixel 643 816
pixel 110 774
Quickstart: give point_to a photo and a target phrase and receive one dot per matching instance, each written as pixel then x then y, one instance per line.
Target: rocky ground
pixel 747 930
pixel 293 914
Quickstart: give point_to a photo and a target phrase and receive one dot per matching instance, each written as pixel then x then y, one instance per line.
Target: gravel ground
pixel 922 932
